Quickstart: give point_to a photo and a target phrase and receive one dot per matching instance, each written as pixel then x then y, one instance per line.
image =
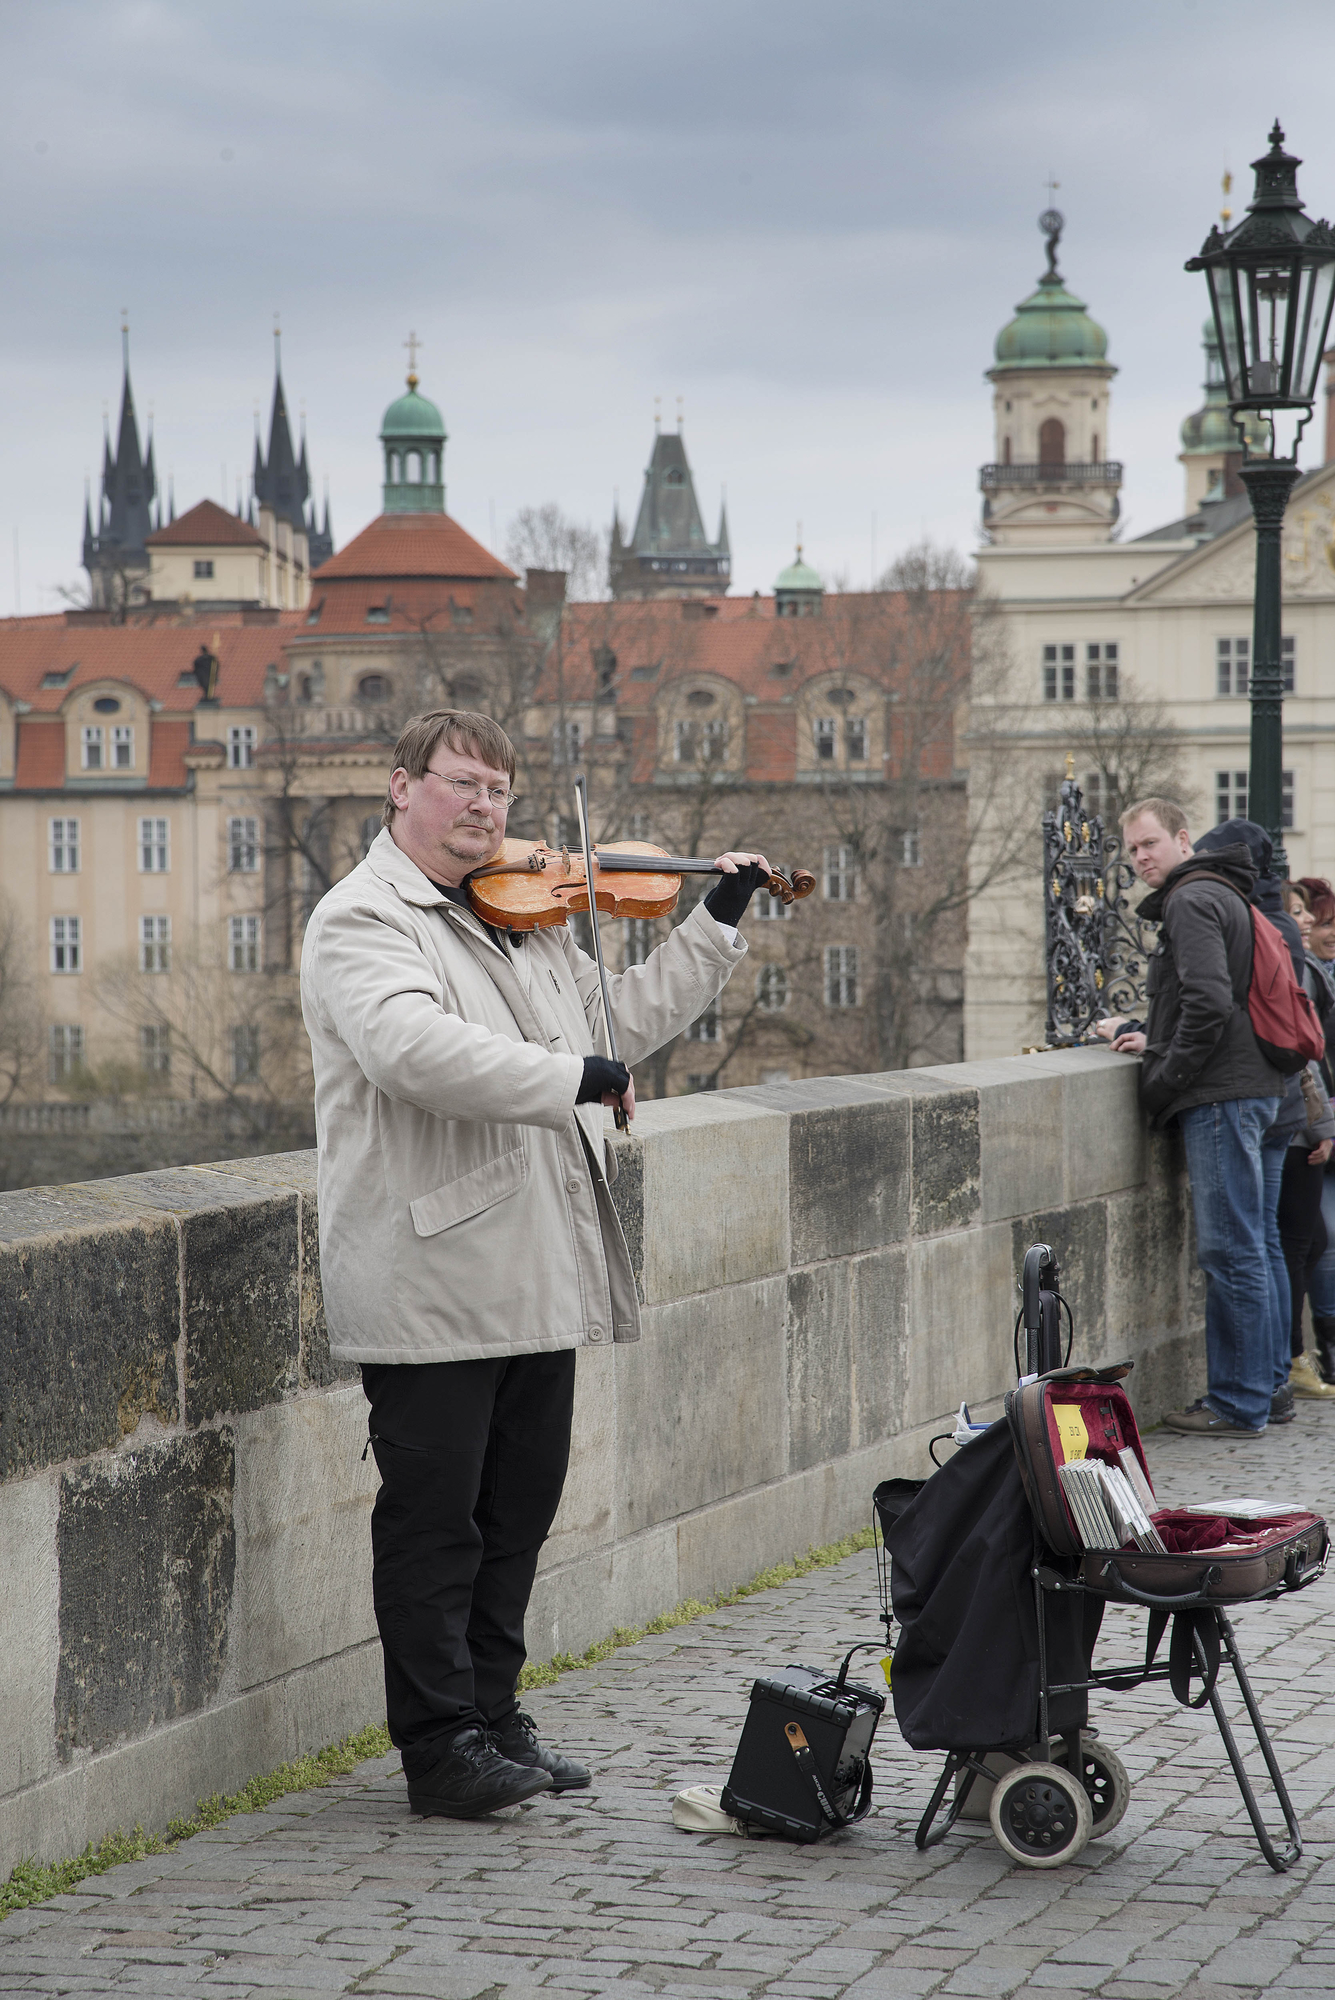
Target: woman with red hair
pixel 1320 944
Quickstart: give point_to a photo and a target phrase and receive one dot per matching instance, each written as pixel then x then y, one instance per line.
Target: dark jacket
pixel 1199 1045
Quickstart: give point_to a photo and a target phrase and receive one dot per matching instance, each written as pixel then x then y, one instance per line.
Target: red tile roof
pixel 151 658
pixel 206 526
pixel 422 545
pixel 414 604
pixel 40 764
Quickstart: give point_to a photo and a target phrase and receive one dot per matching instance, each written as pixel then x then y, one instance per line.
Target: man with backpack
pixel 1204 1067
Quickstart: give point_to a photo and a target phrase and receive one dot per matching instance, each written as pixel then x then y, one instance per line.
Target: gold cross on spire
pixel 412 343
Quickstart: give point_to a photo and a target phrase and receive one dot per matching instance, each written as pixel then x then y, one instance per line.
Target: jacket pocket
pixel 470 1194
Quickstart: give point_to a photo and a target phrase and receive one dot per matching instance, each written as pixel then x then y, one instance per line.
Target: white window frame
pixel 245 1070
pixel 773 991
pixel 122 739
pixel 1233 660
pixel 825 737
pixel 1059 672
pixel 706 1027
pixel 839 875
pixel 1102 667
pixel 767 909
pixel 155 1048
pixel 93 741
pixel 243 944
pixel 155 944
pixel 154 846
pixel 857 737
pixel 64 1051
pixel 203 567
pixel 841 975
pixel 1230 795
pixel 1287 790
pixel 62 852
pixel 241 741
pixel 243 845
pixel 910 848
pixel 66 944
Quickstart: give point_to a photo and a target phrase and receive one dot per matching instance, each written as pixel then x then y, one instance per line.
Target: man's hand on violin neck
pixel 607 1082
pixel 740 877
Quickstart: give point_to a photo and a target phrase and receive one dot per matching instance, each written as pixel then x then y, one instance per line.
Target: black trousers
pixel 472 1458
pixel 1302 1233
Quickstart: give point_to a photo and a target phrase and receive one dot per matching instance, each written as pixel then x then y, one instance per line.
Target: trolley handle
pixel 1210 1576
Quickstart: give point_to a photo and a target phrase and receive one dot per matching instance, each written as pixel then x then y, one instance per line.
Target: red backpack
pixel 1284 1021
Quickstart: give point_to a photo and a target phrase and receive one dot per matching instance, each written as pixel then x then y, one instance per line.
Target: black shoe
pixel 517 1739
pixel 471 1777
pixel 1324 1329
pixel 1282 1407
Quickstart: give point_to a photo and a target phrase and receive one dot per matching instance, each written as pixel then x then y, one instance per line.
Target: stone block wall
pixel 827 1269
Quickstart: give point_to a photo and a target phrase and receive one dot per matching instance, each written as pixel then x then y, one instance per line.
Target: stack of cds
pixel 1107 1509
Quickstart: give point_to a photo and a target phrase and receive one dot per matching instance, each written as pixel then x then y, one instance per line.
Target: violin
pixel 529 885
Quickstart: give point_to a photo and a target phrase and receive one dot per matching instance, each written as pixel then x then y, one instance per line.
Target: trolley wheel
pixel 1041 1815
pixel 1106 1782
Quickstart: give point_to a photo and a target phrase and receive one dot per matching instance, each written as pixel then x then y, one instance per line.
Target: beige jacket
pixel 464 1204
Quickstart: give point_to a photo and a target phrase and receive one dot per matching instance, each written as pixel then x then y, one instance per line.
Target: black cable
pixel 1070 1329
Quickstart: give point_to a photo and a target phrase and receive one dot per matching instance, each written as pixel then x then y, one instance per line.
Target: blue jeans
pixel 1272 1173
pixel 1321 1284
pixel 1223 1146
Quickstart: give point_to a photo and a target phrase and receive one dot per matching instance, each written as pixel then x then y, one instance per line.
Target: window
pixel 65 954
pixel 696 742
pixel 374 687
pixel 841 975
pixel 639 826
pixel 855 738
pixel 1052 441
pixel 1233 665
pixel 769 909
pixel 840 875
pixel 64 847
pixel 154 847
pixel 1100 796
pixel 243 944
pixel 910 849
pixel 1059 673
pixel 701 1079
pixel 241 747
pixel 1286 800
pixel 1230 795
pixel 566 746
pixel 92 746
pixel 637 935
pixel 155 944
pixel 245 1053
pixel 1101 671
pixel 825 730
pixel 243 846
pixel 377 614
pixel 122 747
pixel 772 988
pixel 706 1027
pixel 203 566
pixel 65 1051
pixel 155 1049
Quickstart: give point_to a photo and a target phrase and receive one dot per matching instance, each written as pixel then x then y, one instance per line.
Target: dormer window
pixel 313 615
pixel 675 478
pixel 107 704
pixel 122 747
pixel 92 747
pixel 377 614
pixel 59 677
pixel 855 738
pixel 825 730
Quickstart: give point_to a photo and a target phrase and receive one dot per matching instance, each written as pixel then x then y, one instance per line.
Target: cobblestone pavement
pixel 341 1892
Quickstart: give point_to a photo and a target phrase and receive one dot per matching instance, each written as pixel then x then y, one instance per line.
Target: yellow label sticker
pixel 1071 1430
pixel 885 1669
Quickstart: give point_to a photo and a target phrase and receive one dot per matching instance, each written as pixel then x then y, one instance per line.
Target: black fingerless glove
pixel 727 900
pixel 600 1076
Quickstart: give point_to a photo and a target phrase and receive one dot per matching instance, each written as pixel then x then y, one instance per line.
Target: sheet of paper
pixel 1071 1429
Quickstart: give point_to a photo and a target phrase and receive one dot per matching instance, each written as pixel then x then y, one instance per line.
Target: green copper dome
pixel 412 416
pixel 798 576
pixel 1051 329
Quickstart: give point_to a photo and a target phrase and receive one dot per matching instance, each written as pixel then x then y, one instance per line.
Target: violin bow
pixel 609 1032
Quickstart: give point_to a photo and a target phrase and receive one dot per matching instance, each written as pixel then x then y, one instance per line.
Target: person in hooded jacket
pixel 1202 1067
pixel 1321 1285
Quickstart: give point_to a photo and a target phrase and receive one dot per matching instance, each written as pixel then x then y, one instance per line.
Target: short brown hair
pixel 1320 897
pixel 1167 811
pixel 1294 892
pixel 463 731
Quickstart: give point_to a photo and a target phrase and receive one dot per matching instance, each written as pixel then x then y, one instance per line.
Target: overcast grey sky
pixel 808 221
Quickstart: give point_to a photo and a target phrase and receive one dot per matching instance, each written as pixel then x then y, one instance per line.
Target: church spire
pixel 669 554
pixel 125 511
pixel 282 481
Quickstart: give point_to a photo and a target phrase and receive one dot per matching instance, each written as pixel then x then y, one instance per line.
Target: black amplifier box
pixel 802 1767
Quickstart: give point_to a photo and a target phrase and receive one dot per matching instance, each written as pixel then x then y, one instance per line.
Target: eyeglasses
pixel 467 789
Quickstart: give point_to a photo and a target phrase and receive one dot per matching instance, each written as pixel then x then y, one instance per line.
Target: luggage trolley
pixel 999 1602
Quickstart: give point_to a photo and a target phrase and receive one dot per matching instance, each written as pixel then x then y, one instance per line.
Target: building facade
pixel 1133 658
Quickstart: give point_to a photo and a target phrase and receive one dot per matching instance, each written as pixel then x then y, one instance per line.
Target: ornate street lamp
pixel 1272 285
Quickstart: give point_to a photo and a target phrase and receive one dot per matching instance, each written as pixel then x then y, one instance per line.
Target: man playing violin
pixel 468 1242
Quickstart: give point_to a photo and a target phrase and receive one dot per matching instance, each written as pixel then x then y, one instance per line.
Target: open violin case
pixel 1084 1412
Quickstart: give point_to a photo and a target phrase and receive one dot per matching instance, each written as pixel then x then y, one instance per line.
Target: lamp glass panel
pixel 1315 297
pixel 1265 324
pixel 1222 300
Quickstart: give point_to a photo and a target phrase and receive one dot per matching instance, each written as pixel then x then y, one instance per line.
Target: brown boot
pixel 1305 1379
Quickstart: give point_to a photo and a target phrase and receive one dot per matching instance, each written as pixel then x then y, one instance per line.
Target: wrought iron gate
pixel 1098 949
